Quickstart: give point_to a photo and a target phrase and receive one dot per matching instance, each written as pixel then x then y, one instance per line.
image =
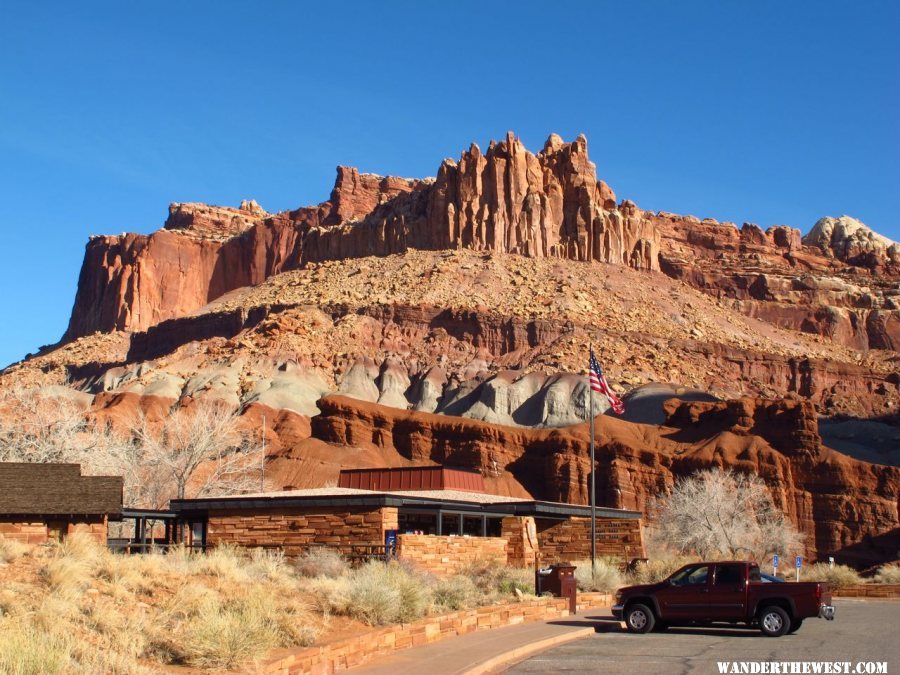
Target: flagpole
pixel 593 499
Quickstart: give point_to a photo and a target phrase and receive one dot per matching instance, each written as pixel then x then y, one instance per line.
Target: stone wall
pixel 570 540
pixel 868 591
pixel 296 530
pixel 356 650
pixel 446 555
pixel 27 532
pixel 35 531
pixel 97 530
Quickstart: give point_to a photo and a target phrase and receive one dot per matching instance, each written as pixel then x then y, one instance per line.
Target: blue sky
pixel 767 112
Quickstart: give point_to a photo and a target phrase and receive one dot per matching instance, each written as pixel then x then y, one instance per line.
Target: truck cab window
pixel 729 575
pixel 692 576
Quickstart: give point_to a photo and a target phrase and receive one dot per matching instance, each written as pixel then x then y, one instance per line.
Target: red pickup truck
pixel 730 592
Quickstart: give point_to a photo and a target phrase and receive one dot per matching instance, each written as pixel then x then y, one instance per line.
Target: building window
pixel 412 523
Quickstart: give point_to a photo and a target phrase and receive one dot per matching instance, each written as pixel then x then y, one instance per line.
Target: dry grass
pixel 837 576
pixel 606 577
pixel 321 562
pixel 25 650
pixel 378 594
pixel 656 569
pixel 86 610
pixel 888 574
pixel 11 550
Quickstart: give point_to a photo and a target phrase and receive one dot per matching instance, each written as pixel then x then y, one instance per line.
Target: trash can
pixel 558 580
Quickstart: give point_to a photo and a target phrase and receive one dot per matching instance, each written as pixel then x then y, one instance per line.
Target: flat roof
pixel 437 500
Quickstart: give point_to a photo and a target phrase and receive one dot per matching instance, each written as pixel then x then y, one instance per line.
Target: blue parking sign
pixel 775 560
pixel 798 562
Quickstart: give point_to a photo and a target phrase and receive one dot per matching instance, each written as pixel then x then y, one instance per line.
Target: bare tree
pixel 39 427
pixel 724 513
pixel 194 452
pixel 199 451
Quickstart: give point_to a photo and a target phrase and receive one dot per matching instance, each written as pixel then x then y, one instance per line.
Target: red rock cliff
pixel 506 200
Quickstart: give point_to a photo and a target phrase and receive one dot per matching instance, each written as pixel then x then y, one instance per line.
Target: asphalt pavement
pixel 863 631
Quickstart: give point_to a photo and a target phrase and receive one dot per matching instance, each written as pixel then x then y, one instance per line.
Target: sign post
pixel 797 563
pixel 775 565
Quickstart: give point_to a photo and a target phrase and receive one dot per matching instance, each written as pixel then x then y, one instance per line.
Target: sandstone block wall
pixel 356 650
pixel 26 532
pixel 296 530
pixel 570 540
pixel 34 531
pixel 96 530
pixel 868 591
pixel 445 555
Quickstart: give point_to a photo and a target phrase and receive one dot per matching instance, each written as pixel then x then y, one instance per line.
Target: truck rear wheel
pixel 639 619
pixel 774 621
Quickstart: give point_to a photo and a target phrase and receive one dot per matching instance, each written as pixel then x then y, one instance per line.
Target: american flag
pixel 599 383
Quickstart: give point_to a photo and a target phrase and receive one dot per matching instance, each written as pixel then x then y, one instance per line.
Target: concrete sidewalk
pixel 486 651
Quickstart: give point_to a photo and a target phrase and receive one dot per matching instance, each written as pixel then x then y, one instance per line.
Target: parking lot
pixel 862 631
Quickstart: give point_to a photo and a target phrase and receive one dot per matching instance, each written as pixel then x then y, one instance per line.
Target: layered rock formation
pixel 507 200
pixel 850 241
pixel 838 282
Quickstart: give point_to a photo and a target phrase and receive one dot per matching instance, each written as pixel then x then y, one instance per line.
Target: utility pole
pixel 593 499
pixel 262 467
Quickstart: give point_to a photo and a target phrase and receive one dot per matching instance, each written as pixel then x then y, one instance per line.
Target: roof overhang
pixel 541 509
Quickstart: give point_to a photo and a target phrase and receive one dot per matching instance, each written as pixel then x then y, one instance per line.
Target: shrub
pixel 330 596
pixel 606 577
pixel 380 594
pixel 888 574
pixel 268 565
pixel 224 636
pixel 493 580
pixel 11 550
pixel 25 650
pixel 456 592
pixel 838 576
pixel 228 563
pixel 321 562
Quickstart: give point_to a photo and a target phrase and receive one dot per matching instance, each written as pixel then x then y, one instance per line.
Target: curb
pixel 492 665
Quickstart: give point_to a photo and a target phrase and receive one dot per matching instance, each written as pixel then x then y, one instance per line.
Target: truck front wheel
pixel 639 619
pixel 774 621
